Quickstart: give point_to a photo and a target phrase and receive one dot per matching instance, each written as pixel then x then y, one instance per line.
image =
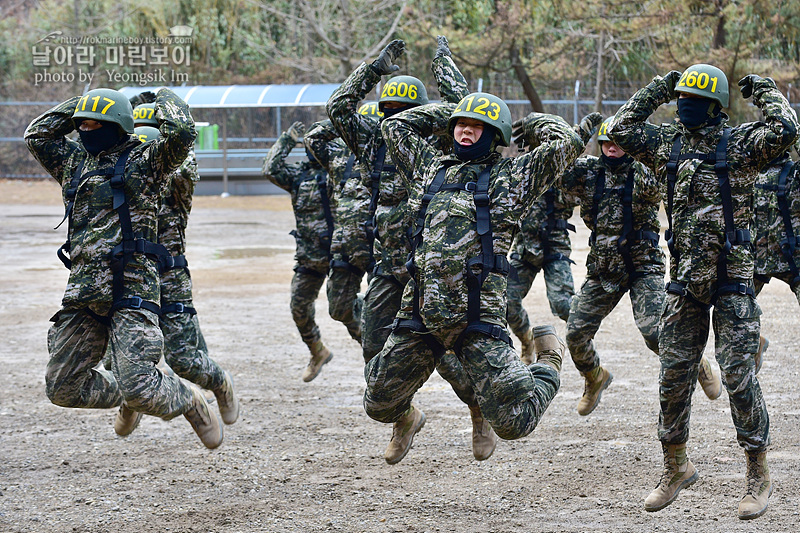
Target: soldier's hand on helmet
pixel 518 135
pixel 670 81
pixel 755 85
pixel 588 124
pixel 442 47
pixel 296 131
pixel 385 63
pixel 146 97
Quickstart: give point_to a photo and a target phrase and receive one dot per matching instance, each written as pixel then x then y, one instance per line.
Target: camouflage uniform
pixel 699 239
pixel 350 251
pixel 312 235
pixel 772 244
pixel 608 275
pixel 542 244
pixel 82 328
pixel 512 397
pixel 363 137
pixel 185 348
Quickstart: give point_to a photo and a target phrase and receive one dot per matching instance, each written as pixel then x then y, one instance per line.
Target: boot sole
pixel 685 484
pixel 599 395
pixel 410 442
pixel 759 513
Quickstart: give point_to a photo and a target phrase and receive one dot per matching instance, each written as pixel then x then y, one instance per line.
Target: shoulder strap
pixel 599 190
pixel 322 185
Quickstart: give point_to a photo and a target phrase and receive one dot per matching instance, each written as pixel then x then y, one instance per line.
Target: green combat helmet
pixel 146 133
pixel 105 105
pixel 488 109
pixel 404 89
pixel 602 133
pixel 704 80
pixel 145 115
pixel 371 110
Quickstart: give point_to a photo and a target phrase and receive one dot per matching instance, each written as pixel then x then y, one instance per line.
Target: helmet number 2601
pixel 697 79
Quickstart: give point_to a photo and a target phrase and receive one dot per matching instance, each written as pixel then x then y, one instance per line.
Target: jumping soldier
pixel 709 171
pixel 386 219
pixel 464 209
pixel 619 201
pixel 350 251
pixel 112 185
pixel 775 228
pixel 307 183
pixel 543 244
pixel 185 350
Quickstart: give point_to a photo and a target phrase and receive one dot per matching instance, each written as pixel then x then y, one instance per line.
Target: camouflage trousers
pixel 512 397
pixel 785 277
pixel 381 303
pixel 559 285
pixel 344 304
pixel 593 303
pixel 684 334
pixel 186 353
pixel 77 343
pixel 306 284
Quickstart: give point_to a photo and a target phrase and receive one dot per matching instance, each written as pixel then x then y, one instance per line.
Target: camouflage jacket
pixel 351 199
pixel 363 136
pixel 536 236
pixel 301 180
pixel 698 220
pixel 94 228
pixel 605 261
pixel 768 228
pixel 176 285
pixel 450 235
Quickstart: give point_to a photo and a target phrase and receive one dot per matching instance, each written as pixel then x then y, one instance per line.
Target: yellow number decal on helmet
pixel 402 90
pixel 143 113
pixel 693 78
pixel 96 100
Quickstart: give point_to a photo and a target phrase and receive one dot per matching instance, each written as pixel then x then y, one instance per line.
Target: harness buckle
pixel 135 302
pixel 471 186
pixel 481 199
pixel 179 307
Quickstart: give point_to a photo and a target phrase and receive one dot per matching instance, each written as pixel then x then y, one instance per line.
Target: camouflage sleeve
pixel 342 108
pixel 630 130
pixel 769 139
pixel 322 140
pixel 406 135
pixel 275 168
pixel 188 168
pixel 558 148
pixel 47 140
pixel 452 84
pixel 573 182
pixel 177 133
pixel 649 190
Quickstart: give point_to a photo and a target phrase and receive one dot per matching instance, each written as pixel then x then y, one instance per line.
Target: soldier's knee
pixel 61 396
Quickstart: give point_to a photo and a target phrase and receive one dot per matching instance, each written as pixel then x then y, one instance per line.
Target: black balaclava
pixel 393 111
pixel 614 163
pixel 698 112
pixel 101 139
pixel 311 158
pixel 478 150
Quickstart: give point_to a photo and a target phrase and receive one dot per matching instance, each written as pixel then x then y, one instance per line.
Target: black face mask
pixel 478 150
pixel 393 111
pixel 311 158
pixel 101 139
pixel 614 163
pixel 693 112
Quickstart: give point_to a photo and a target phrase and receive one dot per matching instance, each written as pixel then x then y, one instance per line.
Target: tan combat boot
pixel 597 380
pixel 763 344
pixel 319 356
pixel 708 378
pixel 679 472
pixel 227 400
pixel 526 351
pixel 403 435
pixel 759 487
pixel 205 423
pixel 549 348
pixel 484 439
pixel 126 421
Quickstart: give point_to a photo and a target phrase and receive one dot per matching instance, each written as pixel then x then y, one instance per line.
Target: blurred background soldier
pixel 307 183
pixel 185 349
pixel 710 169
pixel 619 201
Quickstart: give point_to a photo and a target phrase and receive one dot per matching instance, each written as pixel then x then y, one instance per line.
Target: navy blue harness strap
pixel 344 265
pixel 790 241
pixel 177 307
pixel 322 185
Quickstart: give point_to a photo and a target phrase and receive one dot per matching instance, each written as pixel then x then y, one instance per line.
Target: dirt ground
pixel 305 457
